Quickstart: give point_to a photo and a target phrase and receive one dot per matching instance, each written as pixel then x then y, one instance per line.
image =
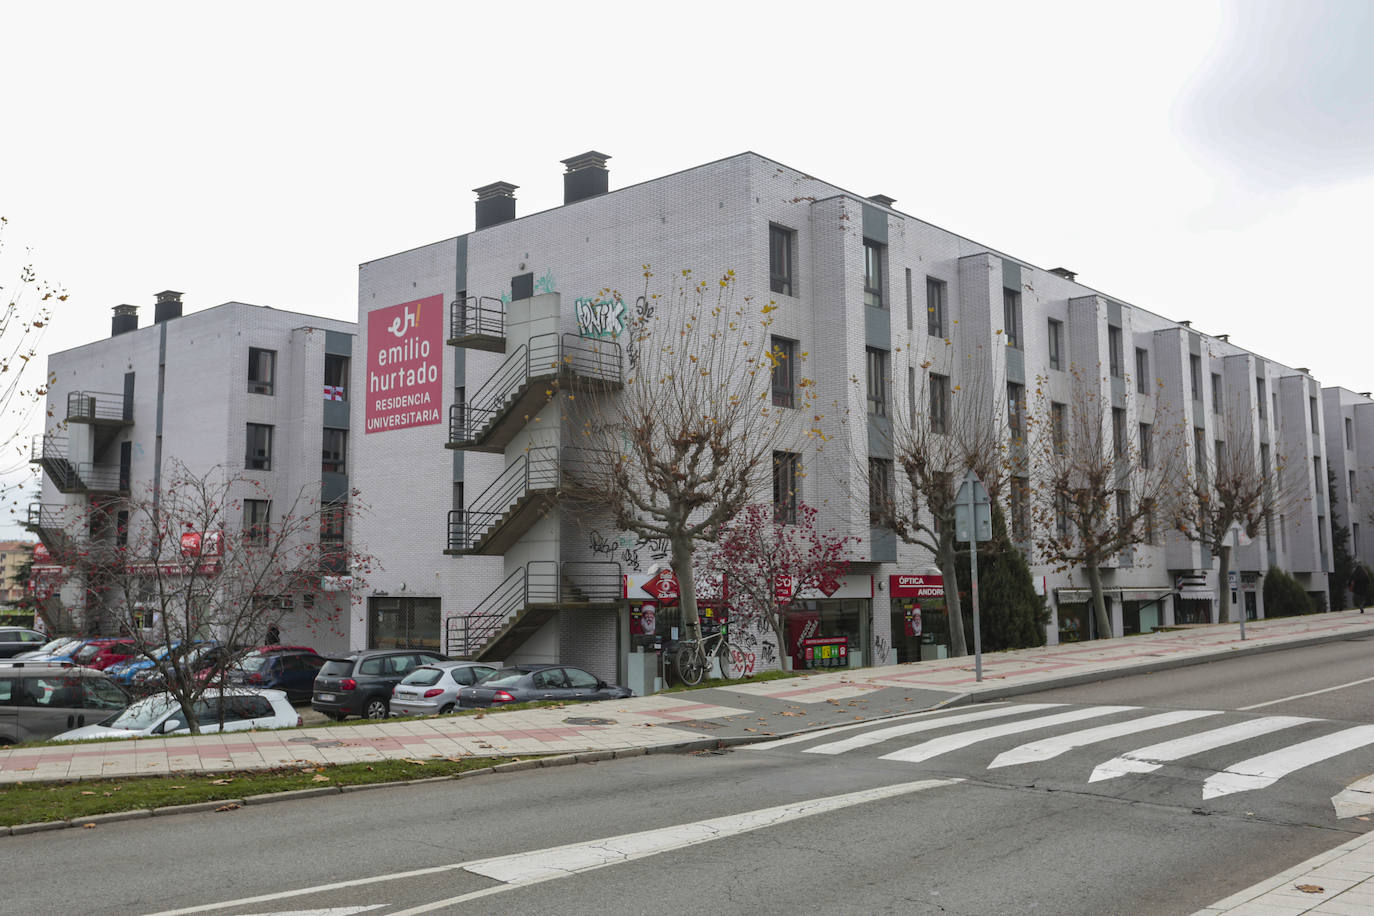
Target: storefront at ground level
pixel 395 622
pixel 920 618
pixel 1137 610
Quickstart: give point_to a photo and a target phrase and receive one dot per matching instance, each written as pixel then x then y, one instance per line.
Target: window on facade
pixel 1016 398
pixel 1195 376
pixel 1056 335
pixel 1216 392
pixel 1020 508
pixel 1317 474
pixel 879 488
pixel 1147 519
pixel 1146 433
pixel 1115 353
pixel 1316 425
pixel 1275 397
pixel 1355 538
pixel 1142 370
pixel 1260 406
pixel 1118 433
pixel 122 522
pixel 1059 427
pixel 257 520
pixel 335 451
pixel 910 308
pixel 1123 509
pixel 786 483
pixel 935 306
pixel 877 381
pixel 911 393
pixel 780 262
pixel 939 403
pixel 335 377
pixel 333 519
pixel 1349 433
pixel 1061 517
pixel 460 405
pixel 259 453
pixel 1011 317
pixel 1351 491
pixel 1200 453
pixel 875 265
pixel 262 370
pixel 784 353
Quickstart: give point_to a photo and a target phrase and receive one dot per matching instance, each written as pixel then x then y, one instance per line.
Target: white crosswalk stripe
pixel 880 735
pixel 1267 769
pixel 1049 748
pixel 821 733
pixel 1149 759
pixel 943 745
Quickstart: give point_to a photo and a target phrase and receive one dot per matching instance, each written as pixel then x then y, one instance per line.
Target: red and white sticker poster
pixel 405 365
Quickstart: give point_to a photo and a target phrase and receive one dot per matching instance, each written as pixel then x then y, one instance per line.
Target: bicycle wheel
pixel 690 663
pixel 734 661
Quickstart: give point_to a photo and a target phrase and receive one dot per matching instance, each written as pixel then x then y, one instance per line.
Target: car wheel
pixel 376 708
pixel 447 708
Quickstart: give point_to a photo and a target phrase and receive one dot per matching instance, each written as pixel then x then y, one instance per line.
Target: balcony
pixel 525 601
pixel 477 323
pixel 85 477
pixel 506 509
pixel 99 408
pixel 496 413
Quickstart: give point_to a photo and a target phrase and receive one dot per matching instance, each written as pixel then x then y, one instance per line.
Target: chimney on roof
pixel 125 320
pixel 1365 394
pixel 495 203
pixel 168 306
pixel 1063 272
pixel 586 176
pixel 1185 324
pixel 1225 338
pixel 883 200
pixel 1304 370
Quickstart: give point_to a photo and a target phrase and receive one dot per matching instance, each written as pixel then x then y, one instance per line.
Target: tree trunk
pixel 1224 585
pixel 950 570
pixel 1104 623
pixel 687 585
pixel 780 630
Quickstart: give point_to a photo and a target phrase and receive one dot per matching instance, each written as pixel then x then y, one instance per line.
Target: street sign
pixel 982 510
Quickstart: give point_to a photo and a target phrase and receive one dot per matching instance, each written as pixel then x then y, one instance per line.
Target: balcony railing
pixel 533 473
pixel 475 320
pixel 98 407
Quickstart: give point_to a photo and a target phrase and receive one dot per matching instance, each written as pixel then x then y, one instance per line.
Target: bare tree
pixel 689 440
pixel 1234 486
pixel 955 424
pixel 25 312
pixel 1097 486
pixel 181 566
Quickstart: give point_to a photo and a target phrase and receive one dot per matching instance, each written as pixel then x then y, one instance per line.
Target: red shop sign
pixel 905 586
pixel 662 586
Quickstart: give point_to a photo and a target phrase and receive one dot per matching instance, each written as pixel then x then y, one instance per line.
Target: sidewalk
pixel 666 721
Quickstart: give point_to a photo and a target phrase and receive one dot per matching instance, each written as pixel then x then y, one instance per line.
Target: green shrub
pixel 1283 596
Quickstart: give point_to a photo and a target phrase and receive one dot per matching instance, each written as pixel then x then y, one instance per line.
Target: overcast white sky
pixel 1208 161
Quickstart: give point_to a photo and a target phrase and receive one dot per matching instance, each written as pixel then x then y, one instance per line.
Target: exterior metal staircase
pixel 478 323
pixel 506 509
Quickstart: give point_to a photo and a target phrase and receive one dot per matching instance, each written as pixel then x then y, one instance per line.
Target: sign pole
pixel 973 577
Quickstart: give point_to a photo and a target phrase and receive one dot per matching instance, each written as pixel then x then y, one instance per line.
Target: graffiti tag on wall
pixel 600 317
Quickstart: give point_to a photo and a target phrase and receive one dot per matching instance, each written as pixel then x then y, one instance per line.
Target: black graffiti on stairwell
pixel 882 648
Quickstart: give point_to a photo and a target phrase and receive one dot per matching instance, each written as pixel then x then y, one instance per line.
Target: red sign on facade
pixel 663 587
pixel 209 544
pixel 904 586
pixel 405 365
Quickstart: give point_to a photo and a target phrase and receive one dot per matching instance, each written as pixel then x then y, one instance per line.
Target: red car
pixel 102 653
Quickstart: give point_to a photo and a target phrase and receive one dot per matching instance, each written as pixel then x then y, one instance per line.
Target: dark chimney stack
pixel 125 320
pixel 1063 272
pixel 586 176
pixel 883 200
pixel 495 203
pixel 168 306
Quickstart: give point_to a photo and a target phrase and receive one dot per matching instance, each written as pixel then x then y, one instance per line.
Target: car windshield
pixel 506 677
pixel 53 644
pixel 143 714
pixel 88 652
pixel 337 667
pixel 68 650
pixel 423 677
pixel 252 663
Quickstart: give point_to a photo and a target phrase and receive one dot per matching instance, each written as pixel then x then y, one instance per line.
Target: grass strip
pixel 23 803
pixel 729 682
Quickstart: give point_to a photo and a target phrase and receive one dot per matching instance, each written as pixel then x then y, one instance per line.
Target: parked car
pixel 67 650
pixel 539 682
pixel 360 684
pixel 123 672
pixel 14 640
pixel 40 700
pixel 46 648
pixel 288 668
pixel 433 688
pixel 198 657
pixel 160 714
pixel 104 653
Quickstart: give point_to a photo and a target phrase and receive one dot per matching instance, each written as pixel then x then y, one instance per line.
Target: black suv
pixel 360 684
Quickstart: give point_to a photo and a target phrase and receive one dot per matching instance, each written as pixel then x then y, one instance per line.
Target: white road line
pixel 563 861
pixel 823 732
pixel 327 911
pixel 943 745
pixel 880 735
pixel 1049 748
pixel 1355 799
pixel 1267 769
pixel 1149 759
pixel 1310 693
pixel 528 868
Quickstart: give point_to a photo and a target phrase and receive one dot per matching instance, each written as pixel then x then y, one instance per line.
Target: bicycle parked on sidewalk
pixel 693 658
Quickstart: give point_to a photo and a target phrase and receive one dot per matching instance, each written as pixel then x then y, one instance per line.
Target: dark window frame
pixel 875 270
pixel 260 359
pixel 784 380
pixel 265 434
pixel 877 363
pixel 937 301
pixel 257 521
pixel 1055 330
pixel 782 250
pixel 1011 317
pixel 786 487
pixel 334 459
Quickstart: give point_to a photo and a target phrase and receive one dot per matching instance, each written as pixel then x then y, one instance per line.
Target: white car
pixel 160 714
pixel 433 688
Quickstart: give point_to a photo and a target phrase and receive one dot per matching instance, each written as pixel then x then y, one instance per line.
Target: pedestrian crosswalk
pixel 1250 753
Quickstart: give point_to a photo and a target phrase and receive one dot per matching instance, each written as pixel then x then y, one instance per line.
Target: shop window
pixel 403 623
pixel 262 370
pixel 259 452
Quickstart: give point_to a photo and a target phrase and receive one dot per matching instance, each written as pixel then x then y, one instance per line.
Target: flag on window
pixel 333 392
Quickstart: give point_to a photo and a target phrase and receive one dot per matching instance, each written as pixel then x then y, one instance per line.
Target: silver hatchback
pixel 433 688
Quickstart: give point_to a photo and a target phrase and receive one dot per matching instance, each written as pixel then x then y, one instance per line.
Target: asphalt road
pixel 981 809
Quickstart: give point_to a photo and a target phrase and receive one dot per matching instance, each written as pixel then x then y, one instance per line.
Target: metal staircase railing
pixel 541 583
pixel 534 471
pixel 476 316
pixel 546 356
pixel 92 406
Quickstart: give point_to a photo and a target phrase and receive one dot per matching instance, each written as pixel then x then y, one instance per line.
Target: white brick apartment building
pixel 254 390
pixel 453 456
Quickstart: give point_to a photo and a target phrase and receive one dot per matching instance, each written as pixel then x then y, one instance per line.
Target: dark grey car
pixel 360 684
pixel 14 640
pixel 525 683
